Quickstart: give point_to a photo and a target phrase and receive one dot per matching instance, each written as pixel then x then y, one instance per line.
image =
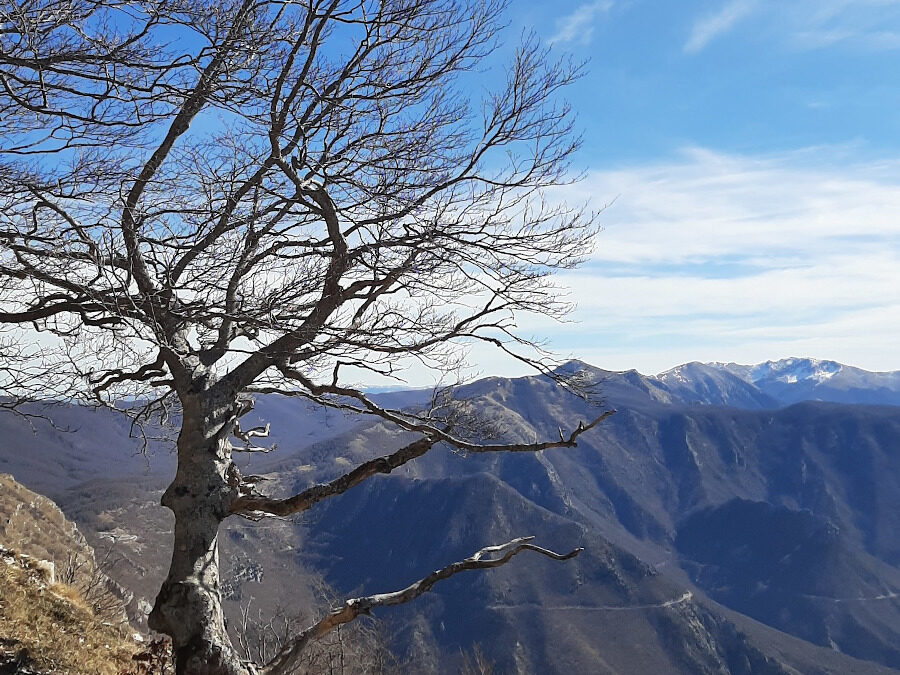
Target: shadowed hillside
pixel 693 488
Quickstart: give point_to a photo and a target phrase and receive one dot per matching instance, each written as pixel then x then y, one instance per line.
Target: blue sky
pixel 739 75
pixel 751 152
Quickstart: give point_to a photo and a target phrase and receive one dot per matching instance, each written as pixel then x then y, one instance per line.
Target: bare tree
pixel 476 663
pixel 355 649
pixel 202 201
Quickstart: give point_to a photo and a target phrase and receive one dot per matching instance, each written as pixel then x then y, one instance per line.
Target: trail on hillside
pixel 885 596
pixel 686 597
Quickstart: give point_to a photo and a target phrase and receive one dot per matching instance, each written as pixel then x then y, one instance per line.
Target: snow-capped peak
pixel 792 380
pixel 795 370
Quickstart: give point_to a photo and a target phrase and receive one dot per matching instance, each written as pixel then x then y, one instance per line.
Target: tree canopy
pixel 200 201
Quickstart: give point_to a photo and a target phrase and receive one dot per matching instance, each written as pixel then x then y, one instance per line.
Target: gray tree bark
pixel 188 607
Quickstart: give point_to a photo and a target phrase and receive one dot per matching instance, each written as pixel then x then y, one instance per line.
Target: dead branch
pixel 411 422
pixel 254 432
pixel 486 558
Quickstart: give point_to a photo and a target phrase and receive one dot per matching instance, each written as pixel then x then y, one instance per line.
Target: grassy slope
pixel 54 626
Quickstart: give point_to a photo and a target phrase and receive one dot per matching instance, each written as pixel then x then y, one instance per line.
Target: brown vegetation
pixel 50 628
pixel 34 525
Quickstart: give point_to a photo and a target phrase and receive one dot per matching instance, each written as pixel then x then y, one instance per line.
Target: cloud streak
pixel 715 25
pixel 805 25
pixel 578 27
pixel 724 257
pixel 710 205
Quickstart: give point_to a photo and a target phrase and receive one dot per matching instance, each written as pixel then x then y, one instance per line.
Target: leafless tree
pixel 90 575
pixel 476 663
pixel 202 201
pixel 355 649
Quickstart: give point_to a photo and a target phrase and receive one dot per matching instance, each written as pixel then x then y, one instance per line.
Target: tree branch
pixel 410 422
pixel 486 558
pixel 302 501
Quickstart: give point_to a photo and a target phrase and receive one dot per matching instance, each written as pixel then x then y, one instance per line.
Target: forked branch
pixel 490 556
pixel 323 394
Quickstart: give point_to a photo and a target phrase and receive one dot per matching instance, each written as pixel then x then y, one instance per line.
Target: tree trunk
pixel 188 607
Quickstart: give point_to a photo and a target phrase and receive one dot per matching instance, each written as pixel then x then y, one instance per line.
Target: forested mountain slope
pixel 701 489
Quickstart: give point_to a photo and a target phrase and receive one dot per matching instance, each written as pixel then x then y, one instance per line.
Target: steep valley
pixel 724 531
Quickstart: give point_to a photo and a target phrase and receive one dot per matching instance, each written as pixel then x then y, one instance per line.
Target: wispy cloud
pixel 716 257
pixel 868 38
pixel 712 26
pixel 710 205
pixel 872 25
pixel 578 26
pixel 722 257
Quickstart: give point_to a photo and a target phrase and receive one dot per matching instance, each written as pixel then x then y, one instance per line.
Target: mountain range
pixel 784 382
pixel 735 519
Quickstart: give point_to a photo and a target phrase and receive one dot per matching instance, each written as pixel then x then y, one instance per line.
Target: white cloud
pixel 578 26
pixel 717 257
pixel 872 25
pixel 709 205
pixel 723 257
pixel 712 26
pixel 866 339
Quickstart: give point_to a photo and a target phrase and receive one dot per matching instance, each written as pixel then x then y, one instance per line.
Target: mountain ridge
pixel 674 450
pixel 770 384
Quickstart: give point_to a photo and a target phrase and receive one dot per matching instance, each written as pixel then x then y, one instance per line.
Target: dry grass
pixel 56 627
pixel 33 524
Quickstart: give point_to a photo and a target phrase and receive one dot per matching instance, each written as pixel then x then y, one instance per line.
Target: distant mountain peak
pixel 795 369
pixel 707 384
pixel 795 379
pixel 683 372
